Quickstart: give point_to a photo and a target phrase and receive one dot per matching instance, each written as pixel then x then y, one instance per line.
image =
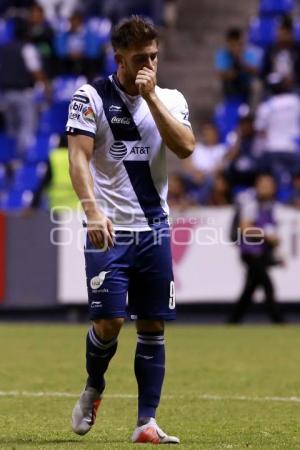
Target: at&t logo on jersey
pixel 118 150
pixel 140 150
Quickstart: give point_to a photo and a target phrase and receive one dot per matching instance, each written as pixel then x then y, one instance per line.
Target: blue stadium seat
pixel 226 117
pixel 110 65
pixel 40 149
pixel 262 31
pixel 98 34
pixel 276 7
pixel 29 177
pixel 54 119
pixel 64 87
pixel 7 148
pixel 6 31
pixel 16 200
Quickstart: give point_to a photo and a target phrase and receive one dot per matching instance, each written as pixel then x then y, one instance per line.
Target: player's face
pixel 135 58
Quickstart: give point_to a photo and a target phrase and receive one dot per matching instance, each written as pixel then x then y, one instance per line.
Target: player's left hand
pixel 146 82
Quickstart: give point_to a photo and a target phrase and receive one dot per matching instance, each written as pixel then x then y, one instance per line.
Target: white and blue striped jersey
pixel 129 162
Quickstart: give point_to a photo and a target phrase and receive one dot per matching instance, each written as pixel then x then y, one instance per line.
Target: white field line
pixel 167 397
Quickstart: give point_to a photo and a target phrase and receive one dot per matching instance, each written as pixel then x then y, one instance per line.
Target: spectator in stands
pixel 257 242
pixel 15 7
pixel 283 57
pixel 41 35
pixel 55 9
pixel 178 197
pixel 20 69
pixel 170 15
pixel 236 65
pixel 208 159
pixel 115 10
pixel 242 156
pixel 78 49
pixel 220 193
pixel 278 126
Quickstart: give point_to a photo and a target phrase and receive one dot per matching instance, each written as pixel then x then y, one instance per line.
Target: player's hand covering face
pixel 146 81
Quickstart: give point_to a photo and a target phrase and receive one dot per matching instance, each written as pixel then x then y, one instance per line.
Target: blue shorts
pixel 139 267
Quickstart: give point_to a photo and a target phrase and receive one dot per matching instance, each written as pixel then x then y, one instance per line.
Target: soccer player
pixel 118 132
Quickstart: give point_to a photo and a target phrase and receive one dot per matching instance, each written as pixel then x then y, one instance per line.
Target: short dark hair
pixel 234 34
pixel 131 31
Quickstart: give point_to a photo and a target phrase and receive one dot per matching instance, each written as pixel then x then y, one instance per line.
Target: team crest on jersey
pixel 88 113
pixel 118 150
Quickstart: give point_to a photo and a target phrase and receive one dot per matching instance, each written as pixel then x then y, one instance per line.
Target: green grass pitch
pixel 226 388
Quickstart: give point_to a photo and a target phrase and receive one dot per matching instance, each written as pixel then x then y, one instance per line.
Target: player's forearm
pixel 178 138
pixel 82 182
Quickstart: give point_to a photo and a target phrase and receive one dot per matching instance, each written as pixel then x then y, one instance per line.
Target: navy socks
pixel 98 355
pixel 149 371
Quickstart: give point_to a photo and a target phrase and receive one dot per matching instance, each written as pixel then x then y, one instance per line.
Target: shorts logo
pixel 118 150
pixel 96 305
pixel 98 280
pixel 88 113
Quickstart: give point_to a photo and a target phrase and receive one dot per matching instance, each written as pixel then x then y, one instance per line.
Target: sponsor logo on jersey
pixel 121 120
pixel 140 150
pixel 74 116
pixel 77 106
pixel 98 280
pixel 118 150
pixel 88 113
pixel 80 98
pixel 115 108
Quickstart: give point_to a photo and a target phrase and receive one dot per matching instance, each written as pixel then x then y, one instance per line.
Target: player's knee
pixel 150 325
pixel 108 329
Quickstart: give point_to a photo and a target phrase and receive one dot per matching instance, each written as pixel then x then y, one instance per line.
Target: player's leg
pixel 149 367
pixel 152 302
pixel 150 372
pixel 107 283
pixel 101 346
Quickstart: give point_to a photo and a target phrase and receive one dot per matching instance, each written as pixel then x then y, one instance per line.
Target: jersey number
pixel 172 302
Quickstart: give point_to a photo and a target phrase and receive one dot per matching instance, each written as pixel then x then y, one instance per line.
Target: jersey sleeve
pixel 83 112
pixel 180 110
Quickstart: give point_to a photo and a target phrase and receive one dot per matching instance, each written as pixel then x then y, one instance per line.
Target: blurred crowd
pixel 50 47
pixel 256 128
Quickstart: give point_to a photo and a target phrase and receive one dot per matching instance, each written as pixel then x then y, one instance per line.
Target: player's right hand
pixel 100 230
